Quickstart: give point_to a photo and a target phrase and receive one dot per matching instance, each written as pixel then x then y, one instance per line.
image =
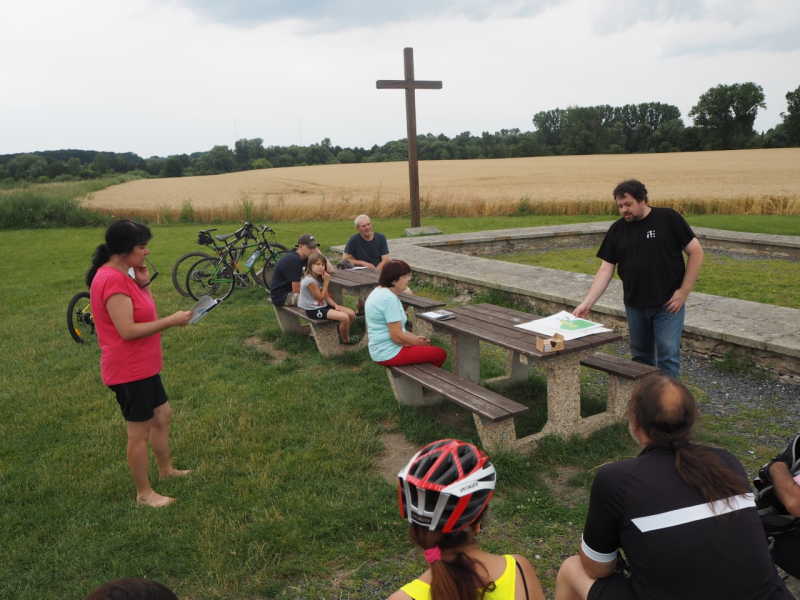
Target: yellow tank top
pixel 505 586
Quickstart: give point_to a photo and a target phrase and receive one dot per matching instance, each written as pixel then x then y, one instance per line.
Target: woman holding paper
pixel 390 345
pixel 129 334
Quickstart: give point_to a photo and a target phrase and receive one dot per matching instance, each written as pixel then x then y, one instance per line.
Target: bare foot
pixel 174 473
pixel 155 500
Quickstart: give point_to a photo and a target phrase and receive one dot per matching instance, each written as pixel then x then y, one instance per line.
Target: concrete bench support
pixel 326 333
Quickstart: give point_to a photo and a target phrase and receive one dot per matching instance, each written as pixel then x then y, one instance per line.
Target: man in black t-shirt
pixel 683 514
pixel 285 286
pixel 646 247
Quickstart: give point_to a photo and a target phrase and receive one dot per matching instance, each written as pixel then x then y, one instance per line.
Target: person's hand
pixel 371 266
pixel 141 274
pixel 582 310
pixel 181 318
pixel 423 341
pixel 326 277
pixel 677 301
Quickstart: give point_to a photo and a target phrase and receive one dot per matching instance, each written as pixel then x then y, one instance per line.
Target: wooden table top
pixel 496 325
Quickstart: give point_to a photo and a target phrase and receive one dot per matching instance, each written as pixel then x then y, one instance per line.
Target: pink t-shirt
pixel 122 360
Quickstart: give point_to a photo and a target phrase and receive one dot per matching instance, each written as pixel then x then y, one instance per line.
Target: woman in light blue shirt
pixel 390 345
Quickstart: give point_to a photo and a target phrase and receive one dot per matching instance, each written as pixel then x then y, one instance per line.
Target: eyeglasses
pixel 152 277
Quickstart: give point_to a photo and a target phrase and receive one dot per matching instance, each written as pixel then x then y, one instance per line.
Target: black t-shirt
pixel 371 251
pixel 288 270
pixel 676 548
pixel 648 255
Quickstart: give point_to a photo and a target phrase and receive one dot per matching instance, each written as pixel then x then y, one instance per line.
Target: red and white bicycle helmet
pixel 446 486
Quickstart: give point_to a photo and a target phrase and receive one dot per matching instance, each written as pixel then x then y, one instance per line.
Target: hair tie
pixel 676 444
pixel 433 554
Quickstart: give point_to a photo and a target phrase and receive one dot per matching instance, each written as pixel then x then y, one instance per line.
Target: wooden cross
pixel 409 85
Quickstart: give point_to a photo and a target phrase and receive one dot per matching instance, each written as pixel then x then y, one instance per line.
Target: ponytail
pixel 665 410
pixel 101 256
pixel 456 579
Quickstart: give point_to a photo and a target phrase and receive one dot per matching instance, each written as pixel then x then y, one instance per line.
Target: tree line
pixel 723 119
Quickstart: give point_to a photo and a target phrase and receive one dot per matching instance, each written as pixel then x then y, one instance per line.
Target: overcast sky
pixel 180 76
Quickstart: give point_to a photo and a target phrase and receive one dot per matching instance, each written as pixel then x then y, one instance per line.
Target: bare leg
pixel 159 442
pixel 138 461
pixel 344 322
pixel 572 582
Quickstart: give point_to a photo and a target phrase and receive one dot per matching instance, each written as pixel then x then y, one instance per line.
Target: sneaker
pixel 354 339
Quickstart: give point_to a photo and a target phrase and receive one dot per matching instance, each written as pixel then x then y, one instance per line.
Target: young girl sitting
pixel 318 304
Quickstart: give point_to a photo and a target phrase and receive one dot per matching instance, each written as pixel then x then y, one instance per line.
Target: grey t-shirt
pixel 306 301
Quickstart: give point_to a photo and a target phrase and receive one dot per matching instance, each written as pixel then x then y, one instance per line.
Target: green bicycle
pixel 79 318
pixel 217 276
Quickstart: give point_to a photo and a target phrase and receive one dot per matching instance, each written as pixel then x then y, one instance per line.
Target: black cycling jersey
pixel 677 547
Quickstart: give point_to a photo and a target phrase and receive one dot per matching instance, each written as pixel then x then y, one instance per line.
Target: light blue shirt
pixel 381 308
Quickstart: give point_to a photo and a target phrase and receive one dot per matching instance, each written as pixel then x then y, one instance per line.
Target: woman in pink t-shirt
pixel 129 334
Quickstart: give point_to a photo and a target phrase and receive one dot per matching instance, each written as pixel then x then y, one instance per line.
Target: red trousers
pixel 415 355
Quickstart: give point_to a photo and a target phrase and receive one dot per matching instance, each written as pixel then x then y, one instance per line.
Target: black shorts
pixel 318 313
pixel 613 587
pixel 138 399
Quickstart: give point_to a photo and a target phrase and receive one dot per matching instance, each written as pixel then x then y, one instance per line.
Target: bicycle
pixel 79 318
pixel 181 267
pixel 217 276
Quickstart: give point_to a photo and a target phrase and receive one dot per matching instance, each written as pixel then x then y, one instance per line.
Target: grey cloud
pixel 729 25
pixel 322 15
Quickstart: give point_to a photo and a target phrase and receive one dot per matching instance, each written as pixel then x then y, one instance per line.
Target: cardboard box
pixel 552 344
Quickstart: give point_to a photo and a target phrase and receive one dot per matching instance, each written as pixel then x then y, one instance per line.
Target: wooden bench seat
pixel 622 376
pixel 493 414
pixel 326 332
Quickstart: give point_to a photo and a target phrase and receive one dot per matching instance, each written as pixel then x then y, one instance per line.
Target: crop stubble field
pixel 766 179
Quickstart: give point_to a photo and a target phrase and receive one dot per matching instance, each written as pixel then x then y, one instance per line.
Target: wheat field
pixel 733 182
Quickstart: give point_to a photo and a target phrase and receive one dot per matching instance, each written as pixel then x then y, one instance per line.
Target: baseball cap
pixel 307 240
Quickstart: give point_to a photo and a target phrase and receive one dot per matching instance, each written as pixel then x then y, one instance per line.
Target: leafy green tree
pixel 27 166
pixel 346 157
pixel 100 163
pixel 246 151
pixel 725 115
pixel 220 160
pixel 74 166
pixel 261 163
pixel 173 167
pixel 549 124
pixel 584 130
pixel 791 118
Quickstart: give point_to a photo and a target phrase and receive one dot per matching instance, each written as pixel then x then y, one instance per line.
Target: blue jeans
pixel 654 330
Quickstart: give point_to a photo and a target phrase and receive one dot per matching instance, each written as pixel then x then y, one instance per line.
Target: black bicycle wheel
pixel 262 262
pixel 269 268
pixel 79 318
pixel 210 277
pixel 181 268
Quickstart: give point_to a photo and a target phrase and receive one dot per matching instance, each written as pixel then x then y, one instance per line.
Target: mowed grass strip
pixel 284 500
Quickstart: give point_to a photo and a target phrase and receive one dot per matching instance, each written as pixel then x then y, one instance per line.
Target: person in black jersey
pixel 646 246
pixel 783 472
pixel 683 514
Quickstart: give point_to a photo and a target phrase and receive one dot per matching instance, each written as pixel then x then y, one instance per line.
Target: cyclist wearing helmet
pixel 444 492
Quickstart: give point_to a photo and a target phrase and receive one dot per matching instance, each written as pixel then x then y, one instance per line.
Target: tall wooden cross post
pixel 409 85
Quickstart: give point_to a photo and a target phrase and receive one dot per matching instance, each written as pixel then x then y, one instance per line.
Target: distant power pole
pixel 235 134
pixel 409 85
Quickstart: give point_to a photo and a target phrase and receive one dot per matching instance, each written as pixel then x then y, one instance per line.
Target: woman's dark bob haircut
pixel 392 271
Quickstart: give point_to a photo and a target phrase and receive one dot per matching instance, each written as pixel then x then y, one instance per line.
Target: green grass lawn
pixel 284 501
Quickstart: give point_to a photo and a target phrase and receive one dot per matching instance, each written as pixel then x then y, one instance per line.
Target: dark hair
pixel 121 238
pixel 456 579
pixel 634 188
pixel 665 410
pixel 392 271
pixel 132 589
